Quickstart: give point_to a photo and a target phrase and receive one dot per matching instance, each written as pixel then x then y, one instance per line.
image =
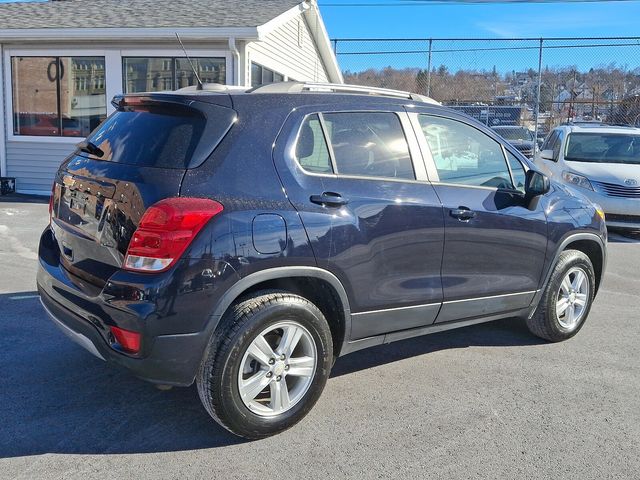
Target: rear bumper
pixel 172 360
pixel 174 321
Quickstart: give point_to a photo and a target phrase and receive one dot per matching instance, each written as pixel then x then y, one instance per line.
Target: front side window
pixel 464 155
pixel 154 74
pixel 518 172
pixel 551 141
pixel 603 148
pixel 58 96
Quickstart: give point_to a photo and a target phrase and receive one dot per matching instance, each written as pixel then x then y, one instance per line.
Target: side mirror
pixel 547 155
pixel 536 184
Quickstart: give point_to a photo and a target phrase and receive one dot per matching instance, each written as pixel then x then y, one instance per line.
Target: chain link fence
pixel 537 83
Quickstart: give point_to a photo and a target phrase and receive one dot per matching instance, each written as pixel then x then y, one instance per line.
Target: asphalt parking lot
pixel 489 401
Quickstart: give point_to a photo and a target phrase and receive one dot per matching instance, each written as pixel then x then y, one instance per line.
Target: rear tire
pixel 567 299
pixel 247 381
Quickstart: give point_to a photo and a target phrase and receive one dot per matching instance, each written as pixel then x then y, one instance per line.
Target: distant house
pixel 64 60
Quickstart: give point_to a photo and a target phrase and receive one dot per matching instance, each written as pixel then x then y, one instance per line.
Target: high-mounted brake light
pixel 165 231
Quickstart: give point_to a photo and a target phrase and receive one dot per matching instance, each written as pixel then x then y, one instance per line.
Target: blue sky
pixel 558 19
pixel 498 20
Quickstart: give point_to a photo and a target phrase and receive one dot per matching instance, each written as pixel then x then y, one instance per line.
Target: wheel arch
pixel 319 286
pixel 591 245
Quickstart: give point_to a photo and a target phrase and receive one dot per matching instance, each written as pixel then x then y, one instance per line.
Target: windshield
pixel 603 148
pixel 514 134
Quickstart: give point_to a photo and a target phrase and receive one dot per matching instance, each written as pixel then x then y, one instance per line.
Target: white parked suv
pixel 602 162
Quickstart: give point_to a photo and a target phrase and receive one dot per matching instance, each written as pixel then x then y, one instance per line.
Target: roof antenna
pixel 199 86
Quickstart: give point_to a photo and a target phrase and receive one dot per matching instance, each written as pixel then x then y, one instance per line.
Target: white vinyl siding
pixel 34 164
pixel 290 51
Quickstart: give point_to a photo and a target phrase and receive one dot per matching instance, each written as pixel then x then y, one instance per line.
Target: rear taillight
pixel 166 230
pixel 129 341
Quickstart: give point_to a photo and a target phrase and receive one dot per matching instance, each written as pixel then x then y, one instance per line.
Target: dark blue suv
pixel 245 240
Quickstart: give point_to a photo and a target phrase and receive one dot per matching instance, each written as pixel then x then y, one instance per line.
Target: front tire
pixel 567 299
pixel 267 364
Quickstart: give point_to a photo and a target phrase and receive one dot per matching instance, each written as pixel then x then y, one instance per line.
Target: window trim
pixel 405 125
pixel 434 177
pixel 113 77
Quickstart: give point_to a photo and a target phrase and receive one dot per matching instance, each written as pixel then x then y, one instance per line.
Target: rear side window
pixel 160 136
pixel 368 144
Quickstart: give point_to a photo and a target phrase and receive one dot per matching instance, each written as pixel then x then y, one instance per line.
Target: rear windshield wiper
pixel 90 148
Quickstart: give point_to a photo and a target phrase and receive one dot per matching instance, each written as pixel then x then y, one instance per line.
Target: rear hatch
pixel 135 158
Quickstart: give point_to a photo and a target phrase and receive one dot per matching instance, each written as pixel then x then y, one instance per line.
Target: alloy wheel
pixel 277 369
pixel 571 303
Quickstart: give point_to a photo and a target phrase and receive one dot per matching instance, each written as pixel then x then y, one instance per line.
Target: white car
pixel 602 162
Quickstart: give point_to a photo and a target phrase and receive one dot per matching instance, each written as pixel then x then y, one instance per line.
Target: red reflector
pixel 165 231
pixel 128 340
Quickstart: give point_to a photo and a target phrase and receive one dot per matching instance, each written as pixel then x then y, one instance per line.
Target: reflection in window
pixel 369 144
pixel 58 96
pixel 464 155
pixel 153 74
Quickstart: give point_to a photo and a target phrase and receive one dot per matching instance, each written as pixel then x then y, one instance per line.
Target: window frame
pixel 113 77
pixel 405 125
pixel 432 170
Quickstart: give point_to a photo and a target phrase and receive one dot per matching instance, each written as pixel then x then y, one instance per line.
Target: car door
pixel 358 181
pixel 495 241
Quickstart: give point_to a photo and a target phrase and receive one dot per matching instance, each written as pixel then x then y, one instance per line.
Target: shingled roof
pixel 141 13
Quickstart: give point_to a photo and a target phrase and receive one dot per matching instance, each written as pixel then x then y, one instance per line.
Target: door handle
pixel 463 214
pixel 329 199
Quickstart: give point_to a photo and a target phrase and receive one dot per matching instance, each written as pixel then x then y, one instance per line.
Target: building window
pixel 153 74
pixel 57 96
pixel 261 75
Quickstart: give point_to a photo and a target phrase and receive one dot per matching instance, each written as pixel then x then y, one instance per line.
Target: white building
pixel 62 62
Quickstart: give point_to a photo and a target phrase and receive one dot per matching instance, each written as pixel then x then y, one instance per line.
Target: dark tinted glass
pixel 151 137
pixel 369 144
pixel 603 148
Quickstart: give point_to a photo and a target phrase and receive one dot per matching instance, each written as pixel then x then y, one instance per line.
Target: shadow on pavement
pixel 57 398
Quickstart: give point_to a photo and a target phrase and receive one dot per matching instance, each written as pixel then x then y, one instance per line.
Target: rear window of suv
pixel 159 136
